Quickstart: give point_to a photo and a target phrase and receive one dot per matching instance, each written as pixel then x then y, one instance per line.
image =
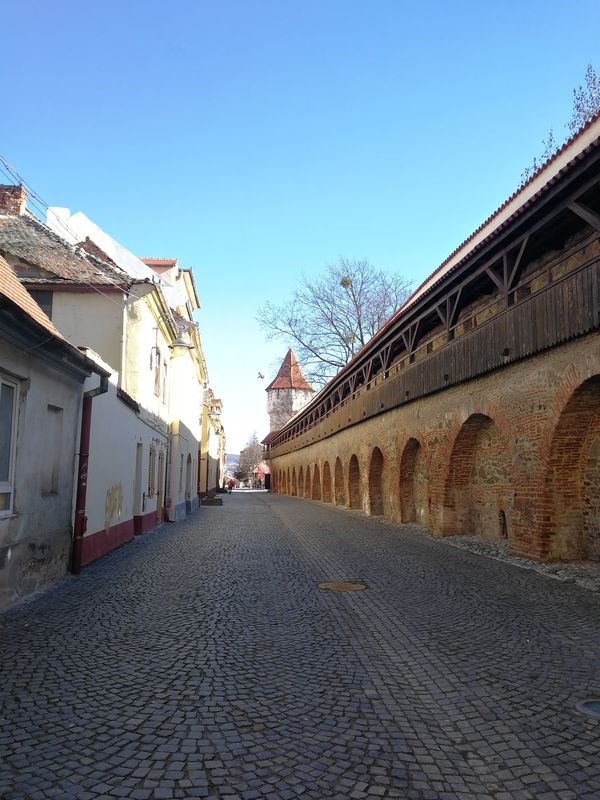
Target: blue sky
pixel 257 141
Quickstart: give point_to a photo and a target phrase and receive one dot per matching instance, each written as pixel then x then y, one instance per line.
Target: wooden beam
pixel 585 213
pixel 443 315
pixel 497 279
pixel 386 357
pixel 514 271
pixel 453 307
pixel 410 336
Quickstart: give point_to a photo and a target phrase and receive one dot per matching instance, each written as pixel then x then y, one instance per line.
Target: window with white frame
pixel 8 435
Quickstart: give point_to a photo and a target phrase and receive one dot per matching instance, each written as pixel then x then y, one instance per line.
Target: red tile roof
pixel 34 243
pixel 11 287
pixel 518 202
pixel 567 156
pixel 528 201
pixel 290 375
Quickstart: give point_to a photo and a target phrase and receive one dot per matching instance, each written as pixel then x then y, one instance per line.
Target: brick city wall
pixel 514 454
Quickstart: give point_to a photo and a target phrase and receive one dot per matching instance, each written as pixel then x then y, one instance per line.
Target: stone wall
pixel 514 454
pixel 282 404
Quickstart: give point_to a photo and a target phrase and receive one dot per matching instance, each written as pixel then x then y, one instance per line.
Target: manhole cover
pixel 590 707
pixel 343 586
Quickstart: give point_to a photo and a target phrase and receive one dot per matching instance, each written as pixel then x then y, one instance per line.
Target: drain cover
pixel 590 707
pixel 343 586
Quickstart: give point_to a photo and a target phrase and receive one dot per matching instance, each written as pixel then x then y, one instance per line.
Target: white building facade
pixel 136 325
pixel 41 394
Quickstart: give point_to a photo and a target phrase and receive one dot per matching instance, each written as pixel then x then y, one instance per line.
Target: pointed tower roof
pixel 290 375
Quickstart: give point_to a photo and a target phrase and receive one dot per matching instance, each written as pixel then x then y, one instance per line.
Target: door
pixel 137 486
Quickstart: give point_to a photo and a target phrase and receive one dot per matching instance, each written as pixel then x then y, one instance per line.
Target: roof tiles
pixel 12 289
pixel 290 375
pixel 29 240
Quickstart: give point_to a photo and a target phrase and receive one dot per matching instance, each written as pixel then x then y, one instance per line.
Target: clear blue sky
pixel 259 140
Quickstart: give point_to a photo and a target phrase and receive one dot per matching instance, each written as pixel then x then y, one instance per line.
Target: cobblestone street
pixel 203 661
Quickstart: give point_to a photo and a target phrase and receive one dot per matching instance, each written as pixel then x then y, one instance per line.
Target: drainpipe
pixel 167 500
pixel 80 525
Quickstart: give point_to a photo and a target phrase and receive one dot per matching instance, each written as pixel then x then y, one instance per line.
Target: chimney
pixel 13 199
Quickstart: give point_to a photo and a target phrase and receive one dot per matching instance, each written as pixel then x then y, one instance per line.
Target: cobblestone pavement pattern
pixel 202 661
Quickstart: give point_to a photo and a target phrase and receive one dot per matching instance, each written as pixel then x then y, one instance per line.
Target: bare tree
pixel 549 148
pixel 250 457
pixel 586 100
pixel 586 104
pixel 328 319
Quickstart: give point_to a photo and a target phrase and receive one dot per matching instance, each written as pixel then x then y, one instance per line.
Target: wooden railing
pixel 564 309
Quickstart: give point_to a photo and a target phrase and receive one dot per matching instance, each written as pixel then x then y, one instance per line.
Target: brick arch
pixel 376 463
pixel 478 490
pixel 294 486
pixel 354 498
pixel 316 484
pixel 300 482
pixel 307 492
pixel 414 483
pixel 326 483
pixel 572 490
pixel 338 483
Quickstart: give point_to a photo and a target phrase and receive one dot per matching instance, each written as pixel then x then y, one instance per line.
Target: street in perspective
pixel 300 400
pixel 206 660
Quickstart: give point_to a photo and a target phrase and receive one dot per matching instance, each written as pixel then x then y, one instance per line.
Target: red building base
pixel 98 544
pixel 144 523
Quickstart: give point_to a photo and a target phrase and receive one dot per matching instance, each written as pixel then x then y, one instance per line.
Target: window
pixel 157 372
pixel 52 451
pixel 8 435
pixel 164 388
pixel 151 471
pixel 43 299
pixel 161 473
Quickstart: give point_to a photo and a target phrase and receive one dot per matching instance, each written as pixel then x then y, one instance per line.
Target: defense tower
pixel 288 392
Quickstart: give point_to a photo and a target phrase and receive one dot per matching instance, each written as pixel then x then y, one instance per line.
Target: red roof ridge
pixel 520 190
